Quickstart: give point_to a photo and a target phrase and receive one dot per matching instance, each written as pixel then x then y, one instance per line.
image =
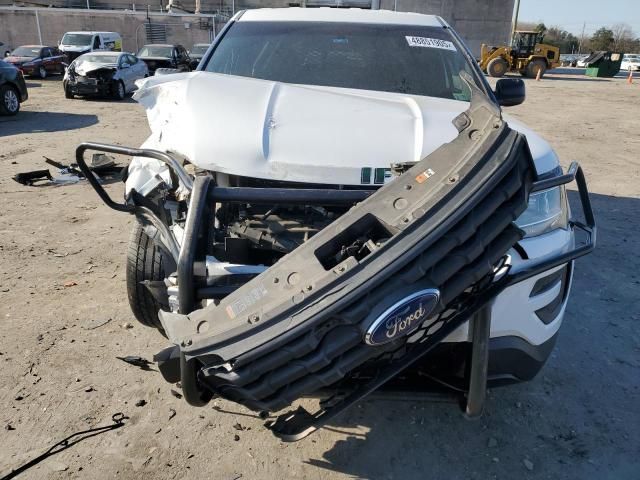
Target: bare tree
pixel 622 35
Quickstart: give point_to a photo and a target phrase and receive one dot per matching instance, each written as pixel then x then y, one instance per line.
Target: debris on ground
pixel 102 166
pixel 137 361
pixel 141 403
pixel 528 464
pixel 172 413
pixel 70 283
pixel 93 324
pixel 176 394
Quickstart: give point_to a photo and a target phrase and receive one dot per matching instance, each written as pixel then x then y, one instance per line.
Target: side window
pixel 44 53
pixel 132 60
pixel 96 42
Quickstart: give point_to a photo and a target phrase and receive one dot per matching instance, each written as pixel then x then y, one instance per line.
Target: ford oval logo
pixel 403 317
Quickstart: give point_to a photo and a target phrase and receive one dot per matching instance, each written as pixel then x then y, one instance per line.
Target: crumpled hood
pixel 83 68
pixel 263 129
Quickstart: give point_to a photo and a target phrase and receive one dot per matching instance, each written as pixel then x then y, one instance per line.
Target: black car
pixel 196 54
pixel 13 90
pixel 157 56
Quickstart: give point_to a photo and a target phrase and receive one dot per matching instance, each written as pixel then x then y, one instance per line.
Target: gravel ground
pixel 66 319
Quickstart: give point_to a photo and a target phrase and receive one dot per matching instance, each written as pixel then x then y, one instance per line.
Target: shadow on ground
pixel 37 122
pixel 577 419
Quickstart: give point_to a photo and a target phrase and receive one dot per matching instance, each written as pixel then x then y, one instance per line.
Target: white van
pixel 74 44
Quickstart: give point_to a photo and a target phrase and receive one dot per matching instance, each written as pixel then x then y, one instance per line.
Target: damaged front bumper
pixel 434 256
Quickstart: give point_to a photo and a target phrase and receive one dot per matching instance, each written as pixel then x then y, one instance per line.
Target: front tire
pixel 9 100
pixel 145 262
pixel 42 72
pixel 497 67
pixel 67 91
pixel 535 66
pixel 119 91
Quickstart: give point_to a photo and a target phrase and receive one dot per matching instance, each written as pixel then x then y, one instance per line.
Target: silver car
pixel 106 74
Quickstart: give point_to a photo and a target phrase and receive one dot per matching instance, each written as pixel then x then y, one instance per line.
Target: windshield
pixel 77 39
pixel 101 59
pixel 199 49
pixel 389 58
pixel 150 51
pixel 26 52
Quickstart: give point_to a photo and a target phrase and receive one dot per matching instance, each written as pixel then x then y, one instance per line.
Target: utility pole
pixel 581 38
pixel 514 25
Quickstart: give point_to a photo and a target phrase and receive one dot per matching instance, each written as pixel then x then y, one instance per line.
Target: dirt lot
pixel 62 257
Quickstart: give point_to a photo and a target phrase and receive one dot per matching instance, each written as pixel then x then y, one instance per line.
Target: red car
pixel 37 60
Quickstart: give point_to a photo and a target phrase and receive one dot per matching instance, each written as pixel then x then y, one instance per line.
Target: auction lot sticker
pixel 430 43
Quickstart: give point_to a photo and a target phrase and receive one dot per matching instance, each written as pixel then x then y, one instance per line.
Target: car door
pixel 47 60
pixel 184 55
pixel 57 58
pixel 139 68
pixel 125 70
pixel 97 43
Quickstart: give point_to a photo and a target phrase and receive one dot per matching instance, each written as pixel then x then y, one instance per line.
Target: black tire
pixel 119 92
pixel 145 261
pixel 67 92
pixel 9 100
pixel 497 67
pixel 534 66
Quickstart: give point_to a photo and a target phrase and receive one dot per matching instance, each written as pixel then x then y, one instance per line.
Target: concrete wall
pixel 477 22
pixel 487 21
pixel 19 26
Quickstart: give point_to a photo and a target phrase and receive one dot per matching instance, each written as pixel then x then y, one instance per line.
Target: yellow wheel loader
pixel 527 55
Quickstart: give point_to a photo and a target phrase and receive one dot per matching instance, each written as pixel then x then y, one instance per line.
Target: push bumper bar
pixel 454 245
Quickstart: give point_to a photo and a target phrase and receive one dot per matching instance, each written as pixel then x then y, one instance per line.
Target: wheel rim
pixel 120 90
pixel 11 101
pixel 43 72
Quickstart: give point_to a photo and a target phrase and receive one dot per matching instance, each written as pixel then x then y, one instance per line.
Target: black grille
pixel 330 351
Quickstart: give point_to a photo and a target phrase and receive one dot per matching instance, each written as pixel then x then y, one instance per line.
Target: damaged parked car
pixel 169 58
pixel 335 204
pixel 37 60
pixel 106 74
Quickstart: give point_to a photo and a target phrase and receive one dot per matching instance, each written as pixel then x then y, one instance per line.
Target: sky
pixel 570 14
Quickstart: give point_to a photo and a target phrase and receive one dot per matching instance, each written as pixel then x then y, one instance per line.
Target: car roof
pixel 159 45
pixel 35 46
pixel 94 32
pixel 347 15
pixel 105 53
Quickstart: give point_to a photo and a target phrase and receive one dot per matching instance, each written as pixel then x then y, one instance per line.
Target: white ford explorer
pixel 334 204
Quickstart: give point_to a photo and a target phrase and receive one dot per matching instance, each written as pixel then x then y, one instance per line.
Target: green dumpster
pixel 603 64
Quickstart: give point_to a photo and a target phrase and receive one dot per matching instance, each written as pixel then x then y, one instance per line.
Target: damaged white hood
pixel 82 68
pixel 270 130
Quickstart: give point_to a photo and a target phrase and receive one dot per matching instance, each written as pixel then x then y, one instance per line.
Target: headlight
pixel 548 210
